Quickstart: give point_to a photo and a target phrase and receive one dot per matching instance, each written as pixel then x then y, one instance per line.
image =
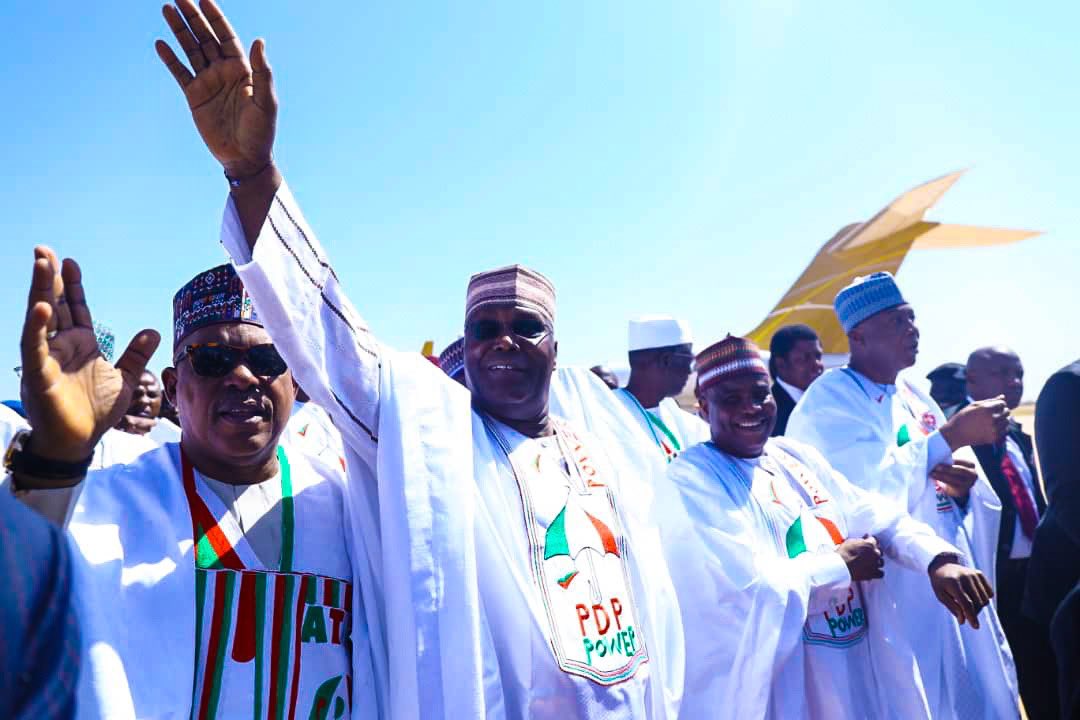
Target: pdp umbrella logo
pixel 575 534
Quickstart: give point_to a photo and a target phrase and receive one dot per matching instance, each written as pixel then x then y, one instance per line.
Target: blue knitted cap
pixel 866 296
pixel 106 340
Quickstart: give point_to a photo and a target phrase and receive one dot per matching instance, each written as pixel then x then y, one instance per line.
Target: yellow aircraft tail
pixel 880 243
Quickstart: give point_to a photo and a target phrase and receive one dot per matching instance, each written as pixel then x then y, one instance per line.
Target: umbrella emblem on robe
pixel 574 531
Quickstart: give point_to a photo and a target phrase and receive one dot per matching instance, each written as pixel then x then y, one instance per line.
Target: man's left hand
pixel 963 590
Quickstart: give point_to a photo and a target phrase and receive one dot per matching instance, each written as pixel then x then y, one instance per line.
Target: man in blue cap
pixel 886 434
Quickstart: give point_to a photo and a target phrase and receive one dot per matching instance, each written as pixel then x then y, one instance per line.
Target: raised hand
pixel 72 395
pixel 963 590
pixel 863 558
pixel 983 422
pixel 232 101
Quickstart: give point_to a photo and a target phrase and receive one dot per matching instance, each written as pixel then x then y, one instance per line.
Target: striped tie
pixel 1025 506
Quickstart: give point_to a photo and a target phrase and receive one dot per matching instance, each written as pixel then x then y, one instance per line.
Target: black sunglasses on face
pixel 686 359
pixel 217 360
pixel 524 327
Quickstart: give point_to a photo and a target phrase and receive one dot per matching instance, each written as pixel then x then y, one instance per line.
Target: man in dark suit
pixel 1054 568
pixel 794 362
pixel 1010 466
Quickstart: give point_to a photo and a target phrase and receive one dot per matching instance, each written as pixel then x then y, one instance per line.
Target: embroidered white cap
pixel 657 331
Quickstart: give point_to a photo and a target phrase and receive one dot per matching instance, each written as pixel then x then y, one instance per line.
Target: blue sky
pixel 687 158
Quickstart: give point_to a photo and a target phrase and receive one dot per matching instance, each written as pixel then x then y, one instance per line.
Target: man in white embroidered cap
pixel 513 549
pixel 886 434
pixel 661 360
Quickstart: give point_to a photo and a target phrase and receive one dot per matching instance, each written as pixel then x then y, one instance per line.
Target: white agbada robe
pixel 880 437
pixel 164 431
pixel 668 426
pixel 774 625
pixel 311 430
pixel 482 613
pixel 11 422
pixel 117 447
pixel 180 623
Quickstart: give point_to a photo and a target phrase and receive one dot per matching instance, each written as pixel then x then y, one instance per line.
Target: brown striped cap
pixel 512 285
pixel 730 357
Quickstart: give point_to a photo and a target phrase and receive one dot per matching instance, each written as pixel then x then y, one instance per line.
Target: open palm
pixel 231 100
pixel 71 393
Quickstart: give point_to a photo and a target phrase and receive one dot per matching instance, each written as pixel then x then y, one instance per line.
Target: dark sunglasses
pixel 524 327
pixel 217 360
pixel 683 358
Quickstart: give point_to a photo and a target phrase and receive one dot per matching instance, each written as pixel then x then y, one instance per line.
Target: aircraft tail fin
pixel 880 244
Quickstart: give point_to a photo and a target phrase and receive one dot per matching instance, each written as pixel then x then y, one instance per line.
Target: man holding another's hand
pixel 887 435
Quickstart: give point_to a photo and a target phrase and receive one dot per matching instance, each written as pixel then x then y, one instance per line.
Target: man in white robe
pixel 777 576
pixel 520 575
pixel 886 434
pixel 214 577
pixel 661 357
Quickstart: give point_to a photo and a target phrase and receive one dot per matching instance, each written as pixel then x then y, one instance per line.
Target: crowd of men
pixel 297 520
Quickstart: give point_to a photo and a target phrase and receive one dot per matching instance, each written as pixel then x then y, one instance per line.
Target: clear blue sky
pixel 649 158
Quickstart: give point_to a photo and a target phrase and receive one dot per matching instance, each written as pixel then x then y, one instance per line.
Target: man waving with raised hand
pixel 520 570
pixel 214 577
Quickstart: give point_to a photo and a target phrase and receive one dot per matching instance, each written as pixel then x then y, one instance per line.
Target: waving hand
pixel 231 99
pixel 71 393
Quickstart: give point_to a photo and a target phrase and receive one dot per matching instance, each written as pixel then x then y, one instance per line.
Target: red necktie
pixel 1025 507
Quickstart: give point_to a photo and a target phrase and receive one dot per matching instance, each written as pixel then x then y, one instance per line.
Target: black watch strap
pixel 19 460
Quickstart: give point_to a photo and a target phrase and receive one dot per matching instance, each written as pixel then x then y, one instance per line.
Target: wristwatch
pixel 20 461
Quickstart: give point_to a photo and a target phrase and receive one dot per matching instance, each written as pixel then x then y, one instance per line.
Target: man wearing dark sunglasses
pixel 661 360
pixel 508 587
pixel 218 572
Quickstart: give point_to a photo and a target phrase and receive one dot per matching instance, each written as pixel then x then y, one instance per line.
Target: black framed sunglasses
pixel 682 358
pixel 218 360
pixel 529 328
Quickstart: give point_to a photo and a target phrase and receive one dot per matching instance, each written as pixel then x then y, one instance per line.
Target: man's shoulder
pixel 788 445
pixel 1016 432
pixel 834 384
pixel 144 477
pixel 1072 368
pixel 692 463
pixel 780 394
pixel 309 471
pixel 804 452
pixel 684 415
pixel 155 459
pixel 833 380
pixel 1065 379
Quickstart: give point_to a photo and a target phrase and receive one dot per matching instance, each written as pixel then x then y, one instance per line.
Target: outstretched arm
pixel 295 289
pixel 232 101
